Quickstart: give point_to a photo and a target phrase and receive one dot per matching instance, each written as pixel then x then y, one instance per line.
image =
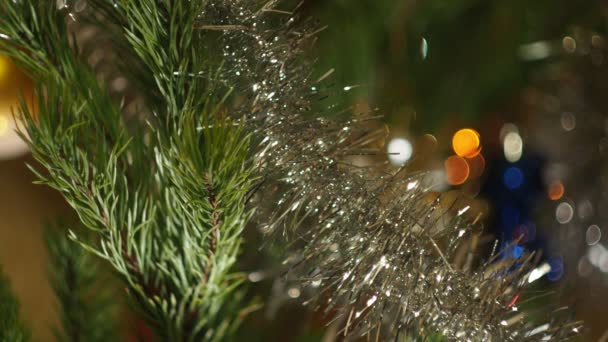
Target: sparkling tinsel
pixel 380 246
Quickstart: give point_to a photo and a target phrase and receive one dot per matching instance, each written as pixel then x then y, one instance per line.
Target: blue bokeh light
pixel 557 269
pixel 513 178
pixel 517 251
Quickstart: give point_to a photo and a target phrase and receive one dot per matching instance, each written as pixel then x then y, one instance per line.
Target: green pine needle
pixel 85 304
pixel 164 194
pixel 11 327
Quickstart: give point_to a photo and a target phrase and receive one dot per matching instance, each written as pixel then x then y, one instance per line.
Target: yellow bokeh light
pixel 3 124
pixel 466 143
pixel 5 66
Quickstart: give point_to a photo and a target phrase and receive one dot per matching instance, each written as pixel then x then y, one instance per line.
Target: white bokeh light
pixel 513 146
pixel 399 151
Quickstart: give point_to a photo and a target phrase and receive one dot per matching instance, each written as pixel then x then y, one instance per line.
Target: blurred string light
pixel 569 44
pixel 564 212
pixel 518 251
pixel 584 209
pixel 553 269
pixel 466 143
pixel 468 163
pixel 557 269
pixel 512 143
pixel 399 151
pixel 539 272
pixel 556 190
pixel 535 51
pixel 525 232
pixel 568 121
pixel 456 170
pixel 513 178
pixel 593 235
pixel 429 141
pixel 424 48
pixel 293 292
pixel 597 255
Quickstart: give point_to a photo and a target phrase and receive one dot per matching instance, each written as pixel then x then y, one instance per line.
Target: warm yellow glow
pixel 456 170
pixel 466 143
pixel 3 124
pixel 5 66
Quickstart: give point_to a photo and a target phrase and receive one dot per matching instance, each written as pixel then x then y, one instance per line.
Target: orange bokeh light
pixel 466 143
pixel 556 190
pixel 456 170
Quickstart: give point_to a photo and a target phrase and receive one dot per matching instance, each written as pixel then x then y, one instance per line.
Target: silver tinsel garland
pixel 379 246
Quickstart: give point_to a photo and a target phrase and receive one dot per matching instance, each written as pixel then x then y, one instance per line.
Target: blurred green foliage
pixel 472 65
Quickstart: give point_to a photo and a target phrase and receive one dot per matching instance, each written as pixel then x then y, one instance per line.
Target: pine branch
pixel 165 197
pixel 85 306
pixel 11 327
pixel 166 194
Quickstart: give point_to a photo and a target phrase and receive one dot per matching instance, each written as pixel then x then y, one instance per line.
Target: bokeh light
pixel 556 190
pixel 457 170
pixel 564 213
pixel 513 178
pixel 569 44
pixel 466 143
pixel 568 121
pixel 593 235
pixel 399 151
pixel 557 269
pixel 513 146
pixel 584 209
pixel 518 251
pixel 524 233
pixel 5 65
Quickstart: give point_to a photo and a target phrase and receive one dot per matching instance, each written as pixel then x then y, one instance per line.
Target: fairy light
pixel 466 143
pixel 513 146
pixel 424 48
pixel 457 170
pixel 556 191
pixel 399 151
pixel 593 235
pixel 539 272
pixel 564 212
pixel 513 178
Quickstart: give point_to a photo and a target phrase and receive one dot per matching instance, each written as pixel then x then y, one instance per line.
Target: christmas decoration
pixel 381 254
pixel 466 143
pixel 235 119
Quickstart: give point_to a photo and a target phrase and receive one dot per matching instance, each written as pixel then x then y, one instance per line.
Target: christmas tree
pixel 205 116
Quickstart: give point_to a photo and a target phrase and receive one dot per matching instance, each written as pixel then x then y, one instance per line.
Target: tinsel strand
pixel 379 245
